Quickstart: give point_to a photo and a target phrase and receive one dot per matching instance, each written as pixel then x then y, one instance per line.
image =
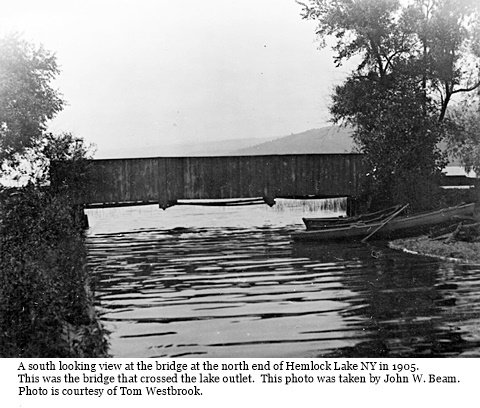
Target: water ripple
pixel 250 292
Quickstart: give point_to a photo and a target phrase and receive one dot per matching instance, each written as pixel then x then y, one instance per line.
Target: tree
pixel 439 39
pixel 45 307
pixel 27 99
pixel 464 142
pixel 448 32
pixel 399 141
pixel 412 61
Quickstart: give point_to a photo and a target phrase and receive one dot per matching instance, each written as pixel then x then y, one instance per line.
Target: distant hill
pixel 331 139
pixel 211 148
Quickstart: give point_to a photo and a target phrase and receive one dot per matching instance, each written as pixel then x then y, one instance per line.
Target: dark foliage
pixel 46 308
pixel 396 129
pixel 413 56
pixel 27 99
pixel 44 296
pixel 45 302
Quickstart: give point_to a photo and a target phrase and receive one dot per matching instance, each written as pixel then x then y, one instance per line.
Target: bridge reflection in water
pixel 199 282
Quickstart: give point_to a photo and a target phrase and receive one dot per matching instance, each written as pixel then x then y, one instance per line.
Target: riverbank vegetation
pixel 46 305
pixel 46 302
pixel 457 250
pixel 459 241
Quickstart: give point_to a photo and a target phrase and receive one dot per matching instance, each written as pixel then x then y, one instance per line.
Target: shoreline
pixel 455 251
pixel 467 253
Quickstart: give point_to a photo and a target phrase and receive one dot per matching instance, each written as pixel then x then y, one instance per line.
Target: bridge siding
pixel 166 179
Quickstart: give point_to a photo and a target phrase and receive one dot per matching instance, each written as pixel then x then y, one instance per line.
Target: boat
pixel 319 223
pixel 389 227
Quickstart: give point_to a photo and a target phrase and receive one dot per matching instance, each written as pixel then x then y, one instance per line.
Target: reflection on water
pixel 199 282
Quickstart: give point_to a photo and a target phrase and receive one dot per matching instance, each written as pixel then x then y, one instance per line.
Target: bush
pixel 45 304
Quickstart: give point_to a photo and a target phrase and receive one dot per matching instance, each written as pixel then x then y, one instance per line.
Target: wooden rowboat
pixel 319 223
pixel 401 226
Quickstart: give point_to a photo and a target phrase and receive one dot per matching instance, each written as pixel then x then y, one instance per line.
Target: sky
pixel 145 73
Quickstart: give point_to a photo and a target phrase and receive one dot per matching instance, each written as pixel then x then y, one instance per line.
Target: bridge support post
pixel 79 217
pixel 166 204
pixel 352 206
pixel 270 201
pixel 476 192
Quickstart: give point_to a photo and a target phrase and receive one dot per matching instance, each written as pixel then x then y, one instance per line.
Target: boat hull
pixel 400 227
pixel 320 223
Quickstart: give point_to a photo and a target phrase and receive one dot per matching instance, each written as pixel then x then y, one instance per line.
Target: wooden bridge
pixel 166 180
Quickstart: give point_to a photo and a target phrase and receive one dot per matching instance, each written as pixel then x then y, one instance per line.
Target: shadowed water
pixel 198 282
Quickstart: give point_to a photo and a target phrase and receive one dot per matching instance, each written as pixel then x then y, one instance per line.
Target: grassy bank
pixel 454 245
pixel 46 306
pixel 468 252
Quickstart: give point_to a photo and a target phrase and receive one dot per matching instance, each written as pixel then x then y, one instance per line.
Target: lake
pixel 229 282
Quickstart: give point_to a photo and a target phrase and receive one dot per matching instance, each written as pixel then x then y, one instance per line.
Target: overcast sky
pixel 151 73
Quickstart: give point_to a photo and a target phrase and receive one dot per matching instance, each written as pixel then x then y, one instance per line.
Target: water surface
pixel 229 282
